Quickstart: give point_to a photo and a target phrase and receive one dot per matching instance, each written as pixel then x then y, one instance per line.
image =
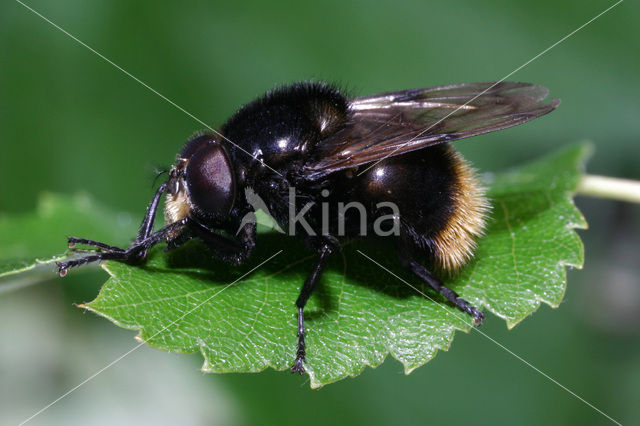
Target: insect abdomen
pixel 441 203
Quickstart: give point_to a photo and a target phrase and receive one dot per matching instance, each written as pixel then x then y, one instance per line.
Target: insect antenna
pixel 159 172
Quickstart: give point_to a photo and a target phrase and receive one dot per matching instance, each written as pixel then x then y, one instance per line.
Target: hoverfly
pixel 391 147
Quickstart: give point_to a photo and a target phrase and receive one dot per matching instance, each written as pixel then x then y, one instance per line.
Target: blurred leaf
pixel 185 302
pixel 29 240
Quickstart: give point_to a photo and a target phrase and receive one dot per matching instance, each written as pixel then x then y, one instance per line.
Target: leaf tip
pixel 587 148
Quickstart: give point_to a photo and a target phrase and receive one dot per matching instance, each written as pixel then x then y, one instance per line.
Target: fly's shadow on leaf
pixel 195 260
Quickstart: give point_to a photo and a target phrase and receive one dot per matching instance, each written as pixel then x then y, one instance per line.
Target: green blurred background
pixel 71 122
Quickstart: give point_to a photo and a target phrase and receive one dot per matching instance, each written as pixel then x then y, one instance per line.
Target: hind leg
pixel 406 250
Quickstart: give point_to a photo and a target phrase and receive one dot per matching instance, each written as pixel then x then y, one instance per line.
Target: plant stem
pixel 608 187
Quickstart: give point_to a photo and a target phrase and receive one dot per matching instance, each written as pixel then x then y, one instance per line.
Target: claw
pixel 478 317
pixel 62 270
pixel 298 367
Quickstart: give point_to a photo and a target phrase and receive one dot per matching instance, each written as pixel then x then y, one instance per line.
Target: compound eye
pixel 210 180
pixel 194 144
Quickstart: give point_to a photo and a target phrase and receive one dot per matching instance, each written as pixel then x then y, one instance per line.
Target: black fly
pixel 311 142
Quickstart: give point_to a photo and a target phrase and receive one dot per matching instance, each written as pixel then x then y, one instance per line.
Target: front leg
pixel 138 249
pixel 230 250
pixel 305 293
pixel 146 227
pixel 133 254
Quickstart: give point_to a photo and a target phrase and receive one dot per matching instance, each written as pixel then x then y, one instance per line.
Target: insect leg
pixel 407 247
pixel 73 241
pixel 305 292
pixel 231 250
pixel 145 228
pixel 147 224
pixel 133 254
pixel 425 275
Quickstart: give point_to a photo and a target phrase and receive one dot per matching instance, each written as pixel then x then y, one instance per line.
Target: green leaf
pixel 27 241
pixel 530 240
pixel 185 302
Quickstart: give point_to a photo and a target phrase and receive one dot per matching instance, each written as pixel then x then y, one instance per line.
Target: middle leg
pixel 305 293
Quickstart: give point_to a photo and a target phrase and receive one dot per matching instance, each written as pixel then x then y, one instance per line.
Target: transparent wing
pixel 394 123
